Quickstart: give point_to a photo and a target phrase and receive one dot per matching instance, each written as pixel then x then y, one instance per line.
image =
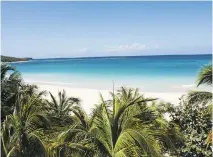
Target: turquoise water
pixel 157 73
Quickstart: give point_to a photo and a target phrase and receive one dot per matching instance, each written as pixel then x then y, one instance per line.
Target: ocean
pixel 168 73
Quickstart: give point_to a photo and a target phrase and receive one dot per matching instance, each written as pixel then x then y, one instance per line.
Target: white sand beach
pixel 89 97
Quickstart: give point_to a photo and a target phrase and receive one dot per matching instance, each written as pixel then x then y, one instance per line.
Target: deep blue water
pixel 139 66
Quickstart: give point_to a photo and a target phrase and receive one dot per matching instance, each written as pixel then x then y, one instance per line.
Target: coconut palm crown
pixel 204 78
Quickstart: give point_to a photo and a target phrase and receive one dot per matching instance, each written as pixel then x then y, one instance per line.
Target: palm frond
pixel 4 70
pixel 142 139
pixel 54 100
pixel 199 97
pixel 101 128
pixel 205 75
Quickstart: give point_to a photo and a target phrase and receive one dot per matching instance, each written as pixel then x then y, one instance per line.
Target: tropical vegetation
pixel 13 59
pixel 39 124
pixel 194 116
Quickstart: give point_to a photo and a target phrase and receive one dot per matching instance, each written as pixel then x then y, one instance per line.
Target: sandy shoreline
pixel 90 97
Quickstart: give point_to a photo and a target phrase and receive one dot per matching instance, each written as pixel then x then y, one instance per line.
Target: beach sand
pixel 90 97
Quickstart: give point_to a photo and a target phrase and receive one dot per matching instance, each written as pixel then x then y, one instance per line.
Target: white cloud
pixel 126 48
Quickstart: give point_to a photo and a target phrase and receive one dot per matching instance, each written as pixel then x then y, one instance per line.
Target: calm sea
pixel 169 73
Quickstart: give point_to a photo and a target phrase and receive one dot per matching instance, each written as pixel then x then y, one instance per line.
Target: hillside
pixel 13 59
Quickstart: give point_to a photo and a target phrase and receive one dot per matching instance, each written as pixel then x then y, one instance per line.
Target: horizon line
pixel 111 56
pixel 121 56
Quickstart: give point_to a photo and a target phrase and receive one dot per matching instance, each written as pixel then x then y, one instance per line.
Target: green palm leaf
pixel 205 75
pixel 147 143
pixel 199 97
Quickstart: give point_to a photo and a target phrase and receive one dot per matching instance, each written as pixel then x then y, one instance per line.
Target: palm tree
pixel 27 91
pixel 12 87
pixel 204 78
pixel 20 131
pixel 123 126
pixel 62 107
pixel 31 90
pixel 73 140
pixel 10 83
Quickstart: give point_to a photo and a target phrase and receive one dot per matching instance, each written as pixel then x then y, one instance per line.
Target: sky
pixel 85 29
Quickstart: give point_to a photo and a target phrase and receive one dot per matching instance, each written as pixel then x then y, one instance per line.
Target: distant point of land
pixel 13 59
